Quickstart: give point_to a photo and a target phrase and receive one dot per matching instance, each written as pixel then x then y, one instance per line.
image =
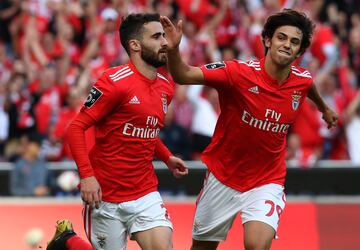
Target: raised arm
pixel 181 72
pixel 329 116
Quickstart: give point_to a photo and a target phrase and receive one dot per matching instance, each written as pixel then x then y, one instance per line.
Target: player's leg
pixel 78 243
pixel 216 210
pixel 159 238
pixel 204 245
pixel 258 235
pixel 66 238
pixel 104 227
pixel 151 227
pixel 260 215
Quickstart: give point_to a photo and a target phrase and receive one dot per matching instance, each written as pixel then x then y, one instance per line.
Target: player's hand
pixel 172 34
pixel 90 191
pixel 177 166
pixel 330 117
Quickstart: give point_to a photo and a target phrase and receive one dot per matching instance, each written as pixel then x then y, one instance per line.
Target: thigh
pixel 258 235
pixel 261 212
pixel 159 238
pixel 148 212
pixel 104 228
pixel 216 210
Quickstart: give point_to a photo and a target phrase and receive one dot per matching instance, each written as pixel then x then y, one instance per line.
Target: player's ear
pixel 267 42
pixel 134 45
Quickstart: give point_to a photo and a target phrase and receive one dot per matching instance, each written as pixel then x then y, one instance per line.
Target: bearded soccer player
pixel 127 106
pixel 259 101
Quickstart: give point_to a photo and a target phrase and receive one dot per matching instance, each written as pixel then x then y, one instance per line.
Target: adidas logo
pixel 134 100
pixel 254 89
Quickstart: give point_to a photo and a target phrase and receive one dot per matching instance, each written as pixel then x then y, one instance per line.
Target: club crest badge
pixel 296 100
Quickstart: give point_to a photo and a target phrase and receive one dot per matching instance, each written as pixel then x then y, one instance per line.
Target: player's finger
pixel 177 173
pixel 100 194
pixel 165 20
pixel 179 26
pixel 96 200
pixel 182 166
pixel 180 173
pixel 90 200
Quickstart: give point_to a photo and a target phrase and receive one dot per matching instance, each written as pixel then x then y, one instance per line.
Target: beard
pixel 153 58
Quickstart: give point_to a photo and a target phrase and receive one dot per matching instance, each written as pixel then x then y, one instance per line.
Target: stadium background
pixel 52 51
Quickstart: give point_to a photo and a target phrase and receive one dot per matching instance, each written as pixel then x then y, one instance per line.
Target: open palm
pixel 173 34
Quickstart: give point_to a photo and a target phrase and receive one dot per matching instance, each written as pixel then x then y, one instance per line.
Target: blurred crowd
pixel 52 51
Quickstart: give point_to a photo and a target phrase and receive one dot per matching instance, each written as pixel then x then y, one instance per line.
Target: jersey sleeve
pixel 161 151
pixel 104 96
pixel 75 136
pixel 217 74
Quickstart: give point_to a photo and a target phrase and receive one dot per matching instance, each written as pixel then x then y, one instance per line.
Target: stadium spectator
pixel 75 38
pixel 30 174
pixel 352 128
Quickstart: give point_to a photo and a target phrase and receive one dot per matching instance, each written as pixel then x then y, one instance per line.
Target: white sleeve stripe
pixel 119 71
pixel 304 74
pixel 298 71
pixel 253 64
pixel 162 77
pixel 122 76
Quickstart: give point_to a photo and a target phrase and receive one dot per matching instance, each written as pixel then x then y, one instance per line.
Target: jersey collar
pixel 140 75
pixel 270 80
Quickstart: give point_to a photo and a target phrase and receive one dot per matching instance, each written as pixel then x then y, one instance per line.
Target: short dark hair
pixel 292 18
pixel 131 27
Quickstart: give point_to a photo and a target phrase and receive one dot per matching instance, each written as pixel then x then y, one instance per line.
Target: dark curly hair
pixel 292 18
pixel 132 25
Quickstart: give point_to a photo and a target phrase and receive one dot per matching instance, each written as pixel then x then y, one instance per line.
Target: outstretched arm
pixel 329 116
pixel 181 72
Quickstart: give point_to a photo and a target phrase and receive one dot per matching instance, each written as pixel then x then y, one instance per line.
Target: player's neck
pixel 145 69
pixel 277 72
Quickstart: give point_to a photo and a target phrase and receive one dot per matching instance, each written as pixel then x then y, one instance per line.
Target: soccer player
pixel 259 101
pixel 127 106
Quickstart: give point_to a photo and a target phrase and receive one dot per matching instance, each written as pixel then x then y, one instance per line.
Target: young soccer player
pixel 259 101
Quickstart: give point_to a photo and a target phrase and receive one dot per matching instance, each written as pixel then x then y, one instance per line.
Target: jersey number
pixel 272 208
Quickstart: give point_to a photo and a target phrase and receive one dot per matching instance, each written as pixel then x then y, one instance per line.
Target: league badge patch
pixel 93 96
pixel 164 104
pixel 296 100
pixel 215 65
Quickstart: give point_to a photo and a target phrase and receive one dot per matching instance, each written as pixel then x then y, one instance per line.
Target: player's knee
pixel 204 245
pixel 256 244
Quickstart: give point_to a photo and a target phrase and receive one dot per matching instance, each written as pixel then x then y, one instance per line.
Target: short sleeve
pixel 104 96
pixel 217 74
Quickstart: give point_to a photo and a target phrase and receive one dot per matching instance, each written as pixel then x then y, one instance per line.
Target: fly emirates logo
pixel 269 123
pixel 148 132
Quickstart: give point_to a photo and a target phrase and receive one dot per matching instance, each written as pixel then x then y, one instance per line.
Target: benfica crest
pixel 296 100
pixel 164 104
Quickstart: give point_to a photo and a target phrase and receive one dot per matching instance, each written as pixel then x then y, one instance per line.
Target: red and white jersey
pixel 129 110
pixel 248 146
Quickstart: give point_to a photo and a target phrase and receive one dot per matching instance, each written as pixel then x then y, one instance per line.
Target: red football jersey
pixel 248 146
pixel 129 110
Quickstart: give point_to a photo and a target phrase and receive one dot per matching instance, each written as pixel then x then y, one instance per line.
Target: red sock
pixel 77 243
